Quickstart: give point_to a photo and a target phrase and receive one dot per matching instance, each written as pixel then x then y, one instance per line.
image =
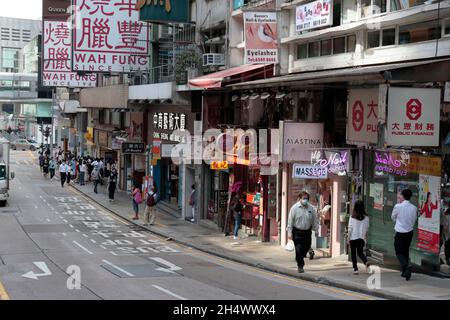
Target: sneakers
pixel 235 238
pixel 300 270
pixel 192 220
pixel 355 272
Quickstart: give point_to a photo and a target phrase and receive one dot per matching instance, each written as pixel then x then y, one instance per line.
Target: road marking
pixel 171 267
pixel 77 230
pixel 82 247
pixel 93 241
pixel 168 292
pixel 71 226
pixel 43 267
pixel 118 268
pixel 36 207
pixel 65 220
pixel 103 247
pixel 3 294
pixel 113 253
pixel 64 234
pixel 48 220
pixel 85 235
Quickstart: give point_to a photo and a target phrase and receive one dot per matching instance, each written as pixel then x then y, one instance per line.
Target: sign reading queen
pixel 108 36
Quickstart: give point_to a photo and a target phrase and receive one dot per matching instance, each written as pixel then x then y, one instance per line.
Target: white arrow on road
pixel 43 267
pixel 172 267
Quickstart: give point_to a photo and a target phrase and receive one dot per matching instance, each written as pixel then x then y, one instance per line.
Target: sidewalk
pixel 336 272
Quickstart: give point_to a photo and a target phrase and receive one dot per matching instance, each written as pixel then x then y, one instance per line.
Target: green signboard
pixel 164 11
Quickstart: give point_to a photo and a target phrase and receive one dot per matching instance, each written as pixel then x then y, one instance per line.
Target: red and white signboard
pixel 413 117
pixel 108 36
pixel 56 67
pixel 362 125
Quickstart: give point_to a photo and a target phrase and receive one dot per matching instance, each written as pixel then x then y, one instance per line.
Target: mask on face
pixel 304 202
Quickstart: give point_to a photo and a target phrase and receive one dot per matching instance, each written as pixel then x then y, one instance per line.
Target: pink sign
pixel 57 58
pixel 109 36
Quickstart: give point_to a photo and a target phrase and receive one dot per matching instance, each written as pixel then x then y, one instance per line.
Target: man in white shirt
pixel 63 168
pixel 302 220
pixel 404 216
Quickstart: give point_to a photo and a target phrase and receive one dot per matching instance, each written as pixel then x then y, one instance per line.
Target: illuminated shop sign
pixel 393 163
pixel 333 162
pixel 307 171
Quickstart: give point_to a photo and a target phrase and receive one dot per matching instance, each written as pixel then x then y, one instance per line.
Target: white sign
pixel 166 150
pixel 413 117
pixel 300 139
pixel 56 66
pixel 308 171
pixel 261 37
pixel 109 37
pixel 362 124
pixel 447 92
pixel 313 15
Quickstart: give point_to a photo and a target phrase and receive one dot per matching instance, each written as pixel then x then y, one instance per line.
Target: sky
pixel 26 9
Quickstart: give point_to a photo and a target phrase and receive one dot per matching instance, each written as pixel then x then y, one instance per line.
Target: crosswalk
pixel 24 162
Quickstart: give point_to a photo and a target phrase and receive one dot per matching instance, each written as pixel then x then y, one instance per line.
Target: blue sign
pixel 164 11
pixel 237 4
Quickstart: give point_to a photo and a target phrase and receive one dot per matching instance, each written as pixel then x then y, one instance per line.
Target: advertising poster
pixel 109 37
pixel 429 211
pixel 261 44
pixel 378 196
pixel 314 15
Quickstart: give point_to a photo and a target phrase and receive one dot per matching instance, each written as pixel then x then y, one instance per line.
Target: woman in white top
pixel 358 227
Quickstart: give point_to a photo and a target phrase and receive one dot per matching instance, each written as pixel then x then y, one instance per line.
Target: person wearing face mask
pixel 302 221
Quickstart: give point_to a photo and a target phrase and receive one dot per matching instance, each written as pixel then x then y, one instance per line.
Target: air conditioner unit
pixel 213 59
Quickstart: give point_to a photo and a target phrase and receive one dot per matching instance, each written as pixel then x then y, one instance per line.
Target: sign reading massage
pixel 164 10
pixel 413 117
pixel 314 15
pixel 300 139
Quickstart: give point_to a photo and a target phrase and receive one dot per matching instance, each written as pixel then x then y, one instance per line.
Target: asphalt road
pixel 57 244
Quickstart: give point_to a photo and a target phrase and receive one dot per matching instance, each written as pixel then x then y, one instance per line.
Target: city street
pixel 47 233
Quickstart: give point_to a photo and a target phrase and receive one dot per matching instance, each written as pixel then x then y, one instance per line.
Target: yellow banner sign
pixel 219 165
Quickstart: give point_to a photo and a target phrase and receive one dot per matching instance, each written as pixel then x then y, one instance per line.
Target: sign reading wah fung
pixel 163 10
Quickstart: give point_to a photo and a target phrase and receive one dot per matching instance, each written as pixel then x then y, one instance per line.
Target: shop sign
pixel 238 4
pixel 89 135
pixel 219 165
pixel 116 144
pixel 156 149
pixel 169 121
pixel 166 150
pixel 429 219
pixel 103 138
pixel 362 124
pixel 299 139
pixel 393 163
pixel 133 147
pixel 413 117
pixel 109 37
pixel 307 171
pixel 261 37
pixel 163 10
pixel 336 162
pixel 316 14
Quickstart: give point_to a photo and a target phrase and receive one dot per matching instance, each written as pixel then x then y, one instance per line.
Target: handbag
pixel 289 246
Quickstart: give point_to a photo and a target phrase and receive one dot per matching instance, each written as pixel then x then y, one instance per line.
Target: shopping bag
pixel 290 246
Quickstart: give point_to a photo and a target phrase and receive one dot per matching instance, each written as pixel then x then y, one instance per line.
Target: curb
pixel 253 263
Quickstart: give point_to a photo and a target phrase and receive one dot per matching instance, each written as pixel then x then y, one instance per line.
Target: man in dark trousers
pixel 404 216
pixel 301 222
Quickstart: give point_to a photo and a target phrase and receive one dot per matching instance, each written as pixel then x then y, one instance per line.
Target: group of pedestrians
pixel 302 221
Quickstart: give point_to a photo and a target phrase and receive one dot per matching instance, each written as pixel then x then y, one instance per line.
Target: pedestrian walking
pixel 41 161
pixel 149 214
pixel 302 221
pixel 69 171
pixel 238 209
pixel 192 202
pixel 404 216
pixel 51 168
pixel 137 199
pixel 83 170
pixel 63 173
pixel 112 182
pixel 358 226
pixel 95 176
pixel 101 168
pixel 45 167
pixel 445 223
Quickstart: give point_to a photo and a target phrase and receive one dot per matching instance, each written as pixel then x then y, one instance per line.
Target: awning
pixel 236 74
pixel 375 73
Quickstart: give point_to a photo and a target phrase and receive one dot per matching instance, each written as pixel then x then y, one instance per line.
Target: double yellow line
pixel 3 294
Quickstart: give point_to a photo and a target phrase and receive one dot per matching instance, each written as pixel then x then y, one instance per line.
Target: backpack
pixel 151 201
pixel 138 197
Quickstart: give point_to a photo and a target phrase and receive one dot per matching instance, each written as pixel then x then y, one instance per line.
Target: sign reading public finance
pixel 109 37
pixel 314 15
pixel 413 117
pixel 261 43
pixel 308 171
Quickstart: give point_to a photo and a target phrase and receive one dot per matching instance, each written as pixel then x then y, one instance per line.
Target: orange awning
pixel 235 74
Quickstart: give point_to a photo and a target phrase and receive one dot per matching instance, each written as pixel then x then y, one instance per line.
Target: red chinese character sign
pixel 362 125
pixel 108 36
pixel 413 117
pixel 56 66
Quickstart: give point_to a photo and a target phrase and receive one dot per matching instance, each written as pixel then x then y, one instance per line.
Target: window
pixel 351 43
pixel 337 8
pixel 419 32
pixel 402 4
pixel 372 7
pixel 314 49
pixel 302 51
pixel 349 11
pixel 325 47
pixel 388 37
pixel 373 39
pixel 339 45
pixel 447 27
pixel 10 59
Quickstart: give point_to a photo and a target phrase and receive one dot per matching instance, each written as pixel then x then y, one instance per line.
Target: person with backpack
pixel 137 200
pixel 358 226
pixel 149 214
